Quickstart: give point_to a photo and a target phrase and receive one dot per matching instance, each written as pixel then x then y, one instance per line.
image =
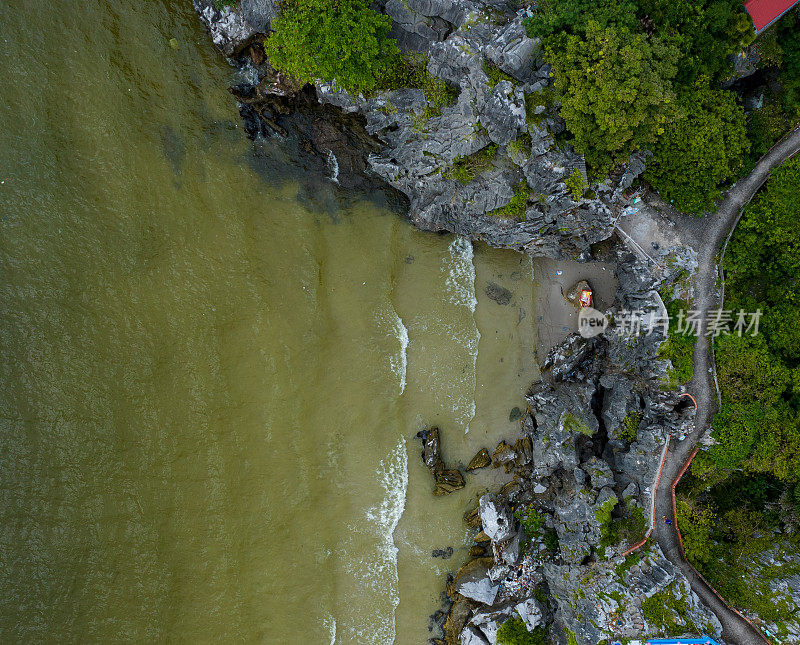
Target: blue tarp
pixel 705 640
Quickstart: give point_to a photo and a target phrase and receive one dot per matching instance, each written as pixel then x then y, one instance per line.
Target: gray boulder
pixel 496 517
pixel 235 26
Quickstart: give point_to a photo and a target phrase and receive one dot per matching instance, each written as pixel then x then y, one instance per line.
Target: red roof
pixel 765 12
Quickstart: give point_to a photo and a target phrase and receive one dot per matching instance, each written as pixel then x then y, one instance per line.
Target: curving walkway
pixel 736 629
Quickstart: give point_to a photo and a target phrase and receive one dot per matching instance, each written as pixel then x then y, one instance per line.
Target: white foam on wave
pixel 333 164
pixel 398 362
pixel 461 273
pixel 460 268
pixel 330 623
pixel 383 577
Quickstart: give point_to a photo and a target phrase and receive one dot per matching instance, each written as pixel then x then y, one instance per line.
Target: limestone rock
pixel 472 581
pixel 496 518
pixel 236 26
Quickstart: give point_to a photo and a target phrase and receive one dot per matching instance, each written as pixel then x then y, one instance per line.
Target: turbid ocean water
pixel 213 366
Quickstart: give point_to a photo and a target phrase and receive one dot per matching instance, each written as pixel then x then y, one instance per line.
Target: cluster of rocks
pixel 775 574
pixel 446 479
pixel 585 475
pixel 409 142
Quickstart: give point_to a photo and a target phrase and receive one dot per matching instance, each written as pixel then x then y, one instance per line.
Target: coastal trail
pixel 718 228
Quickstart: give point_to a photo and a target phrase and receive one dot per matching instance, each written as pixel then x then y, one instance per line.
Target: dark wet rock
pixel 515 414
pixel 504 455
pixel 446 479
pixel 480 460
pixel 472 518
pixel 499 294
pixel 444 554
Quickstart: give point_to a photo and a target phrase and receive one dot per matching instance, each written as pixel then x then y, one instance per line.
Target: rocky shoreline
pixel 550 546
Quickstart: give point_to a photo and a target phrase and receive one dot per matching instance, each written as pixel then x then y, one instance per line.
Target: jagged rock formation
pixel 775 574
pixel 419 148
pixel 232 28
pixel 589 482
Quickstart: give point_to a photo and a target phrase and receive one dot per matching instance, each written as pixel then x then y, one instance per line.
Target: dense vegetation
pixel 514 632
pixel 345 42
pixel 646 74
pixel 748 485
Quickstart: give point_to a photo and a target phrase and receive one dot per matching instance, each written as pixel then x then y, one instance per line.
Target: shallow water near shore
pixel 213 366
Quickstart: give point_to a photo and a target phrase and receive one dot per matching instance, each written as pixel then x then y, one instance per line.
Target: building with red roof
pixel 765 12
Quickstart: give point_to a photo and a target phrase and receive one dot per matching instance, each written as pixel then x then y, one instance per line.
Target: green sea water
pixel 211 382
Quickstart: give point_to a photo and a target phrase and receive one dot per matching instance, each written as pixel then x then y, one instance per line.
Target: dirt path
pixel 707 297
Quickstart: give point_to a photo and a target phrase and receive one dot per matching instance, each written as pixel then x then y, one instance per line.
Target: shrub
pixel 576 184
pixel 496 74
pixel 531 519
pixel 345 42
pixel 410 70
pixel 630 426
pixel 514 632
pixel 465 169
pixel 515 209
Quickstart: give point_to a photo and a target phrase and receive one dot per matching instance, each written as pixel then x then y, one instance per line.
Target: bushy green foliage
pixel 219 5
pixel 630 426
pixel 410 70
pixel 496 74
pixel 531 519
pixel 662 610
pixel 705 31
pixel 521 145
pixel 465 169
pixel 695 524
pixel 758 426
pixel 345 42
pixel 515 209
pixel 603 516
pixel 514 632
pixel 551 540
pixel 623 567
pixel 576 184
pixel 572 16
pixel 615 89
pixel 703 147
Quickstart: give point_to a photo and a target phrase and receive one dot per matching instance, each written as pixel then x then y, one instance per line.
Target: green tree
pixel 573 16
pixel 702 148
pixel 615 90
pixel 707 32
pixel 343 41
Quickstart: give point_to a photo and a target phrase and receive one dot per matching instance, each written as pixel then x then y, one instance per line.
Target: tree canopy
pixel 703 147
pixel 345 42
pixel 615 89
